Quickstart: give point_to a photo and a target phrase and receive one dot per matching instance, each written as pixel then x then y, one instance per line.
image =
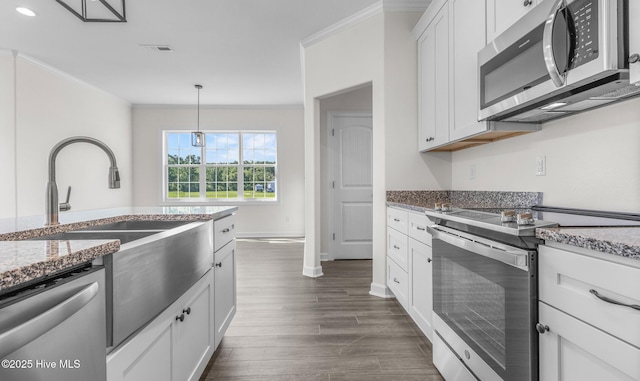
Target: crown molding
pixel 67 76
pixel 340 26
pixel 358 17
pixel 405 5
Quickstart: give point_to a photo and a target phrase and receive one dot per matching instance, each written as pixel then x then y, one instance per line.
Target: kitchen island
pixel 23 261
pixel 167 288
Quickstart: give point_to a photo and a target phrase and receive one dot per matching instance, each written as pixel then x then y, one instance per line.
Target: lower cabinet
pixel 572 350
pixel 225 289
pixel 420 286
pixel 588 326
pixel 409 266
pixel 398 283
pixel 175 346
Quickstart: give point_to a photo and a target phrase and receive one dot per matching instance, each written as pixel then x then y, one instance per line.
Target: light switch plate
pixel 541 166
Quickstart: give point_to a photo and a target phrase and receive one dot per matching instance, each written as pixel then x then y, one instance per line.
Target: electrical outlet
pixel 541 166
pixel 472 172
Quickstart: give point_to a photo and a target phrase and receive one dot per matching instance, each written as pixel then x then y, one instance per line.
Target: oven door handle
pixel 519 259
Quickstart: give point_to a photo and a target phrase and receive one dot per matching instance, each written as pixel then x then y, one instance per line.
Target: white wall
pixel 7 134
pixel 51 106
pixel 379 50
pixel 593 161
pixel 284 218
pixel 351 58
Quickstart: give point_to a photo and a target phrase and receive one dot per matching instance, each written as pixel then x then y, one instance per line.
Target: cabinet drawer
pixel 224 231
pixel 568 281
pixel 397 248
pixel 398 282
pixel 418 228
pixel 572 350
pixel 397 219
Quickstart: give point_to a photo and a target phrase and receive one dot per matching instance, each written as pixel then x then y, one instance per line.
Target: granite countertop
pixel 25 261
pixel 621 241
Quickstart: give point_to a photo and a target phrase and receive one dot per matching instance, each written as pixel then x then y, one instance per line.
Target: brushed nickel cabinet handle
pixel 612 301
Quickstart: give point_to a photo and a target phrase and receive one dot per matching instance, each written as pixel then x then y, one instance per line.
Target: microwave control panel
pixel 585 21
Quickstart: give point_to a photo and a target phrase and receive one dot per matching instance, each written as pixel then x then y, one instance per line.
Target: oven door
pixel 485 292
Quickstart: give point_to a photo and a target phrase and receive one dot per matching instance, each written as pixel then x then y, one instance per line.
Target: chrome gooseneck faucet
pixel 51 201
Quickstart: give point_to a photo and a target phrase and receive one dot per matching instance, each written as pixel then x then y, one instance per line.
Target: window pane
pixel 222 161
pixel 172 140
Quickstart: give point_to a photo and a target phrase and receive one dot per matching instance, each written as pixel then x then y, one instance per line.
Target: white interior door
pixel 350 182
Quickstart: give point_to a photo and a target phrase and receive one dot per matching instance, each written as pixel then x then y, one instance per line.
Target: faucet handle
pixel 64 206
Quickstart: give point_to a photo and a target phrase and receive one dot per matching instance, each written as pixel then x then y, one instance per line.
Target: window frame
pixel 203 171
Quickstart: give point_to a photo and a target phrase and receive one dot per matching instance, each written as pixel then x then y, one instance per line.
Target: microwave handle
pixel 547 44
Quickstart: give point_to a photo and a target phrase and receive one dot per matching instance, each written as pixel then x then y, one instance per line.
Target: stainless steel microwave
pixel 562 57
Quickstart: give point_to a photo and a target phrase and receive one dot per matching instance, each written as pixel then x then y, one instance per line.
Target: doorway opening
pixel 346 176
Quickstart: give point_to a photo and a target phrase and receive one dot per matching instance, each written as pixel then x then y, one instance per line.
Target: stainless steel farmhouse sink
pixel 157 262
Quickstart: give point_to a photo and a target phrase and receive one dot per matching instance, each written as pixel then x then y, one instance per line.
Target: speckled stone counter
pixel 421 200
pixel 22 262
pixel 621 241
pixel 25 261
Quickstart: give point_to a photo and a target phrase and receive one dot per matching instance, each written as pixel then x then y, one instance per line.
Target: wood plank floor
pixel 290 327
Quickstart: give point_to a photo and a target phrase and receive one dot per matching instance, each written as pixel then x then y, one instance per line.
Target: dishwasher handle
pixel 22 334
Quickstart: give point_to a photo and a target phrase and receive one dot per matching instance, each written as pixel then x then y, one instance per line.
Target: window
pixel 231 166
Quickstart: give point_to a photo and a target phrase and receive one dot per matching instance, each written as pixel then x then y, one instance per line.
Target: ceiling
pixel 243 52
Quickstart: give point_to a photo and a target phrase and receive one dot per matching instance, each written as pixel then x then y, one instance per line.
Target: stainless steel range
pixel 485 295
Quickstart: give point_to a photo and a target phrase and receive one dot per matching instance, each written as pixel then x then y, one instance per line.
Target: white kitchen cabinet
pixel 175 346
pixel 450 34
pixel 575 351
pixel 398 282
pixel 225 289
pixel 466 20
pixel 397 248
pixel 584 337
pixel 501 14
pixel 634 42
pixel 409 265
pixel 420 286
pixel 433 81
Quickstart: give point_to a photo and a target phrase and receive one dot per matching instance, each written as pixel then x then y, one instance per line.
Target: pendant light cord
pixel 198 87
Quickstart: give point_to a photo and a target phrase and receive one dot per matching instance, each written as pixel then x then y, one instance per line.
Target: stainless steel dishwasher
pixel 55 330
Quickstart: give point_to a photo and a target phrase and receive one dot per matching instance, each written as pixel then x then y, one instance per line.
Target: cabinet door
pixel 146 357
pixel 397 248
pixel 634 41
pixel 433 83
pixel 420 286
pixel 193 337
pixel 398 282
pixel 501 14
pixel 225 289
pixel 575 351
pixel 467 26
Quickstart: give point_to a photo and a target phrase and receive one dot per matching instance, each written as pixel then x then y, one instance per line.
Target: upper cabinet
pixel 501 14
pixel 433 77
pixel 634 43
pixel 450 34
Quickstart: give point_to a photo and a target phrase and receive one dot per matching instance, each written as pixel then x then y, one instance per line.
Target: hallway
pixel 290 327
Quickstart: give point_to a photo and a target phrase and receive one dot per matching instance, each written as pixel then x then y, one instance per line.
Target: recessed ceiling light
pixel 25 11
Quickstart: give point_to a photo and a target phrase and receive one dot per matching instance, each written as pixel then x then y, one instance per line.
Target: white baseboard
pixel 381 291
pixel 312 272
pixel 325 257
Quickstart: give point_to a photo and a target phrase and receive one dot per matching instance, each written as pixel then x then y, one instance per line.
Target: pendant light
pixel 197 137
